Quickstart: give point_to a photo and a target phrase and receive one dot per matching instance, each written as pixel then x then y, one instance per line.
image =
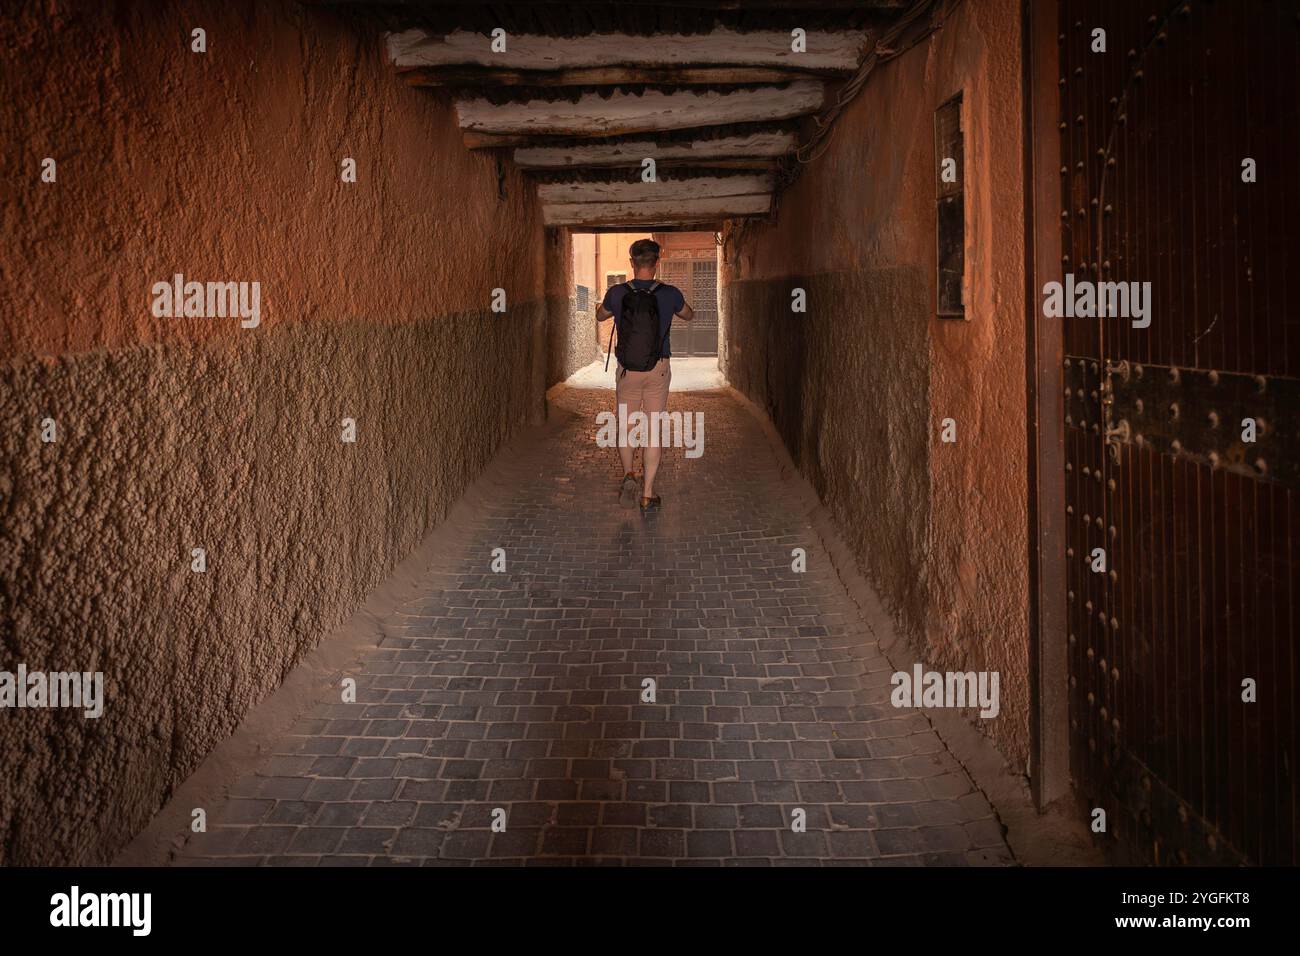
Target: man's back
pixel 670 300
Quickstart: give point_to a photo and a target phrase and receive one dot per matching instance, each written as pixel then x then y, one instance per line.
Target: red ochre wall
pixel 859 385
pixel 176 433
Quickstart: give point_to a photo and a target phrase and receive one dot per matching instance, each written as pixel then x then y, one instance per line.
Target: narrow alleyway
pixel 311 550
pixel 522 691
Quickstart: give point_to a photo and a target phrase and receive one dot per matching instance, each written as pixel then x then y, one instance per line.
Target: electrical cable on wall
pixel 882 52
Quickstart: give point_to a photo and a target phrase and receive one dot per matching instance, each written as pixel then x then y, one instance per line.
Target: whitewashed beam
pixel 743 162
pixel 616 213
pixel 677 225
pixel 829 51
pixel 721 6
pixel 688 188
pixel 621 113
pixel 764 144
pixel 469 76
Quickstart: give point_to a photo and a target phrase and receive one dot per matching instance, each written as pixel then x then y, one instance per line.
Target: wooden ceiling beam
pixel 740 6
pixel 654 211
pixel 688 166
pixel 653 110
pixel 829 51
pixel 472 76
pixel 687 188
pixel 475 140
pixel 762 146
pixel 744 162
pixel 705 225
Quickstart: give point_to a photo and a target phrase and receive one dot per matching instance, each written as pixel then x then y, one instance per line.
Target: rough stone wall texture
pixel 583 340
pixel 584 259
pixel 569 334
pixel 859 385
pixel 184 433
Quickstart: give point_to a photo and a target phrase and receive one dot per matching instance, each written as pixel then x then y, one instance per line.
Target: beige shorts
pixel 644 391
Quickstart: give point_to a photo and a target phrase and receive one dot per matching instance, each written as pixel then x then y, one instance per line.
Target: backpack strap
pixel 614 330
pixel 655 284
pixel 665 337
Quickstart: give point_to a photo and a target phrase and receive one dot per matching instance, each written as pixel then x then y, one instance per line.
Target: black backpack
pixel 639 344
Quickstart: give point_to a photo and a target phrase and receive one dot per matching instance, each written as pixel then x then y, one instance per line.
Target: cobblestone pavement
pixel 521 691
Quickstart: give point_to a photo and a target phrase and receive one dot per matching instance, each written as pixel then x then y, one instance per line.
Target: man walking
pixel 643 311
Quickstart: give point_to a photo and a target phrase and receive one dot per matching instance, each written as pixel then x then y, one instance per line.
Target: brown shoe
pixel 650 504
pixel 627 491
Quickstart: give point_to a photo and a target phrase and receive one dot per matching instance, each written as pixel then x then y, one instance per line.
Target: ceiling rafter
pixel 827 51
pixel 762 147
pixel 637 190
pixel 655 210
pixel 653 110
pixel 483 76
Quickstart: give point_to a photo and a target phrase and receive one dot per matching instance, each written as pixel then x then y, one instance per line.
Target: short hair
pixel 644 252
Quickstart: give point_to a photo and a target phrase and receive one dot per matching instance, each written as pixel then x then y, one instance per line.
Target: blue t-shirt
pixel 669 298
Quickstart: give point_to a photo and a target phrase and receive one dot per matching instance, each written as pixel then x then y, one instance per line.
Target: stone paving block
pixel 218 841
pixel 293 812
pixel 810 844
pixel 265 839
pixel 708 843
pixel 565 841
pixel 354 747
pixel 520 843
pixel 341 814
pixel 709 816
pixel 418 842
pixel 388 814
pixel 465 844
pixel 856 844
pixel 669 815
pixel 281 788
pixel 663 843
pixel 316 840
pixel 243 810
pixel 900 842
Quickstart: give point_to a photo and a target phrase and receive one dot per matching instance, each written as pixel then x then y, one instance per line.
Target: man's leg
pixel 655 399
pixel 628 390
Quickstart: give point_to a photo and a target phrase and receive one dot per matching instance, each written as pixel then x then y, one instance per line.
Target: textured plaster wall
pixel 570 338
pixel 583 339
pixel 584 259
pixel 184 433
pixel 859 385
